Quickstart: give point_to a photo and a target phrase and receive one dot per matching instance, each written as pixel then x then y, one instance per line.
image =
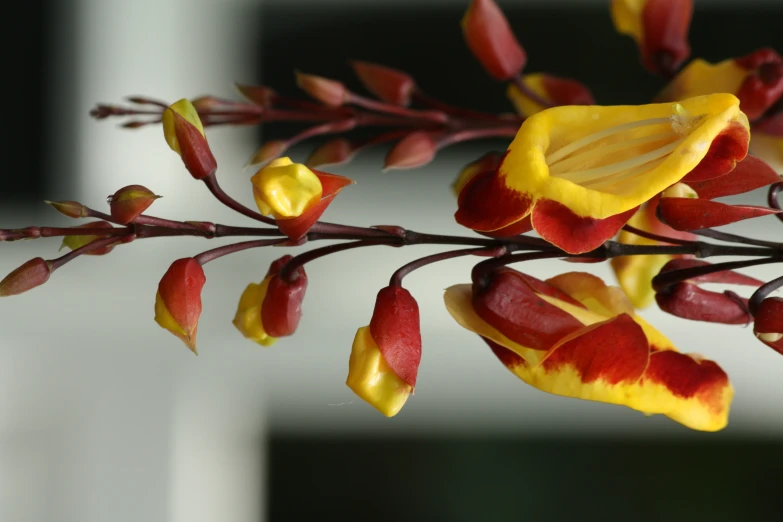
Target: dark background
pixel 456 478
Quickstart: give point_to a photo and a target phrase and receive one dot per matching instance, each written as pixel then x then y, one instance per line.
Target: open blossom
pixel 580 172
pixel 385 356
pixel 272 308
pixel 574 336
pixel 660 29
pixel 294 195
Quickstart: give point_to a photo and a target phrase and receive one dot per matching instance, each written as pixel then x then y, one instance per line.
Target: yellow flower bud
pixel 248 317
pixel 285 189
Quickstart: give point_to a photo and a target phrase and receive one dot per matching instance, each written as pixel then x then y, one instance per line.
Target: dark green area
pixel 529 479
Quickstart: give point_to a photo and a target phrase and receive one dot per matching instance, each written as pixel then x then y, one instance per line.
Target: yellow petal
pixel 627 17
pixel 187 111
pixel 700 78
pixel 248 316
pixel 164 318
pixel 285 189
pixel 370 377
pixel 769 148
pixel 524 105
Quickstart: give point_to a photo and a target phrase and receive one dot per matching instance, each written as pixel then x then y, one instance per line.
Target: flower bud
pixel 185 135
pixel 72 209
pixel 261 95
pixel 415 150
pixel 386 354
pixel 285 189
pixel 31 274
pixel 491 40
pixel 390 85
pixel 555 90
pixel 76 242
pixel 268 151
pixel 333 152
pixel 328 92
pixel 768 325
pixel 178 301
pixel 129 202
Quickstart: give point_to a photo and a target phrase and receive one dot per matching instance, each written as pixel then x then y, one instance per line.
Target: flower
pixel 178 301
pixel 635 273
pixel 185 135
pixel 581 172
pixel 574 336
pixel 129 202
pixel 492 41
pixel 660 29
pixel 294 195
pixel 34 272
pixel 756 79
pixel 272 308
pixel 385 356
pixel 555 90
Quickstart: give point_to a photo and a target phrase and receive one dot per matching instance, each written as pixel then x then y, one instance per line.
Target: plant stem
pixel 210 255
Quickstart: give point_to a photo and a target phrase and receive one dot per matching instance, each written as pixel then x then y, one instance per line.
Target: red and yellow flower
pixel 581 172
pixel 185 135
pixel 178 301
pixel 294 195
pixel 574 336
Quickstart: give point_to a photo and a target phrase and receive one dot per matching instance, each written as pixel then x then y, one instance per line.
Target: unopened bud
pixel 415 150
pixel 178 301
pixel 31 274
pixel 259 94
pixel 74 242
pixel 282 306
pixel 267 152
pixel 329 92
pixel 332 152
pixel 129 202
pixel 390 85
pixel 72 209
pixel 492 41
pixel 185 135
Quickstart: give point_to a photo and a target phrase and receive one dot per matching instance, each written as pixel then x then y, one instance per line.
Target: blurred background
pixel 106 417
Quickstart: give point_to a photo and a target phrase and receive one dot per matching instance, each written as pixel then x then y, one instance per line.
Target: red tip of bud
pixel 194 149
pixel 665 35
pixel 768 325
pixel 328 92
pixel 396 330
pixel 332 152
pixel 72 209
pixel 282 306
pixel 267 152
pixel 129 202
pixel 491 40
pixel 31 274
pixel 415 150
pixel 390 85
pixel 259 94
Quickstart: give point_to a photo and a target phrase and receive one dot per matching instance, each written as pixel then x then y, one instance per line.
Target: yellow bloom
pixel 248 316
pixel 285 189
pixel 574 336
pixel 582 171
pixel 371 378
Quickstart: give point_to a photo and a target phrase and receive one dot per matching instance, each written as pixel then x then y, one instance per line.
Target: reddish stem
pixel 210 255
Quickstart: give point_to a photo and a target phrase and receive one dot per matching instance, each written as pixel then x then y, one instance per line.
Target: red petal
pixel 557 224
pixel 769 319
pixel 180 288
pixel 193 147
pixel 281 309
pixel 388 84
pixel 749 174
pixel 565 91
pixel 623 360
pixel 687 377
pixel 728 148
pixel 331 184
pixel 514 229
pixel 396 330
pixel 508 303
pixel 492 41
pixel 728 277
pixel 487 204
pixel 665 29
pixel 691 302
pixel 695 214
pixel 509 359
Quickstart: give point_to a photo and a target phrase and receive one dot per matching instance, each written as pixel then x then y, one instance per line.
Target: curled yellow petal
pixel 371 378
pixel 285 189
pixel 248 316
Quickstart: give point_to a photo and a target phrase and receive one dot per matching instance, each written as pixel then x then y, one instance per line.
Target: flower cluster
pixel 635 185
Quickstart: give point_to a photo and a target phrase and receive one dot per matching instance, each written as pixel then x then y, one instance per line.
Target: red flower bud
pixel 72 209
pixel 491 40
pixel 415 150
pixel 332 152
pixel 390 85
pixel 268 151
pixel 328 92
pixel 261 95
pixel 129 202
pixel 282 306
pixel 696 214
pixel 395 328
pixel 31 274
pixel 764 85
pixel 184 133
pixel 768 325
pixel 178 301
